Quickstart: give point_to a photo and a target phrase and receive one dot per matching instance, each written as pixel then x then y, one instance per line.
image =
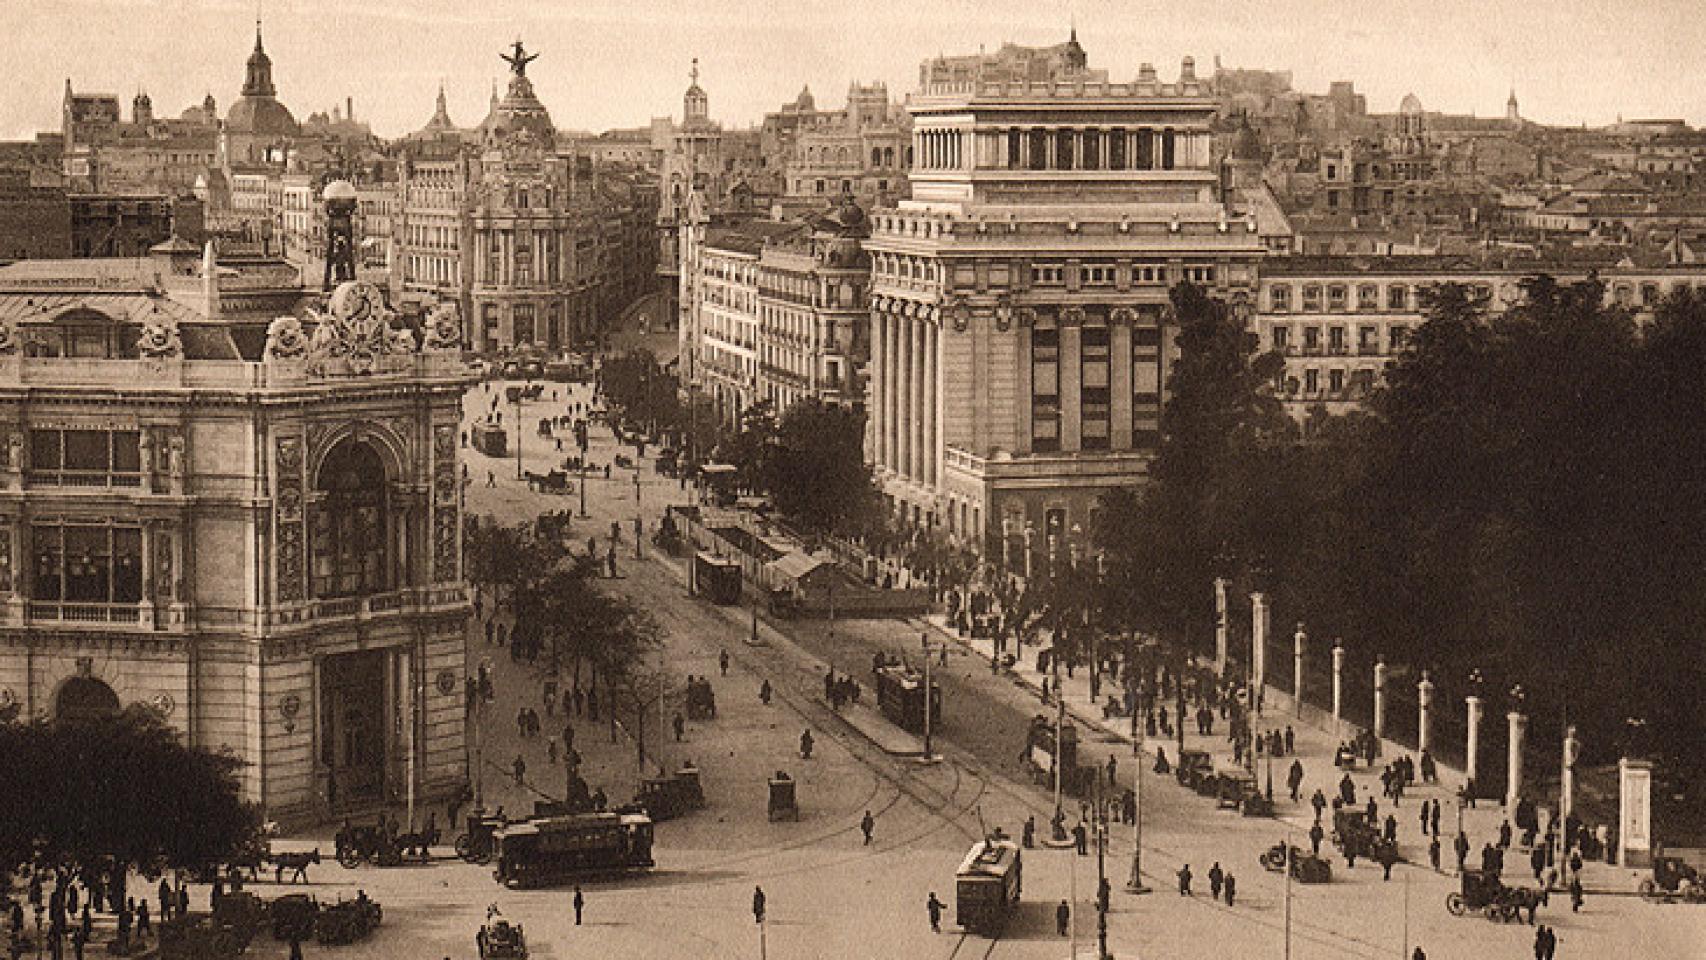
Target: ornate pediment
pixel 443 329
pixel 354 332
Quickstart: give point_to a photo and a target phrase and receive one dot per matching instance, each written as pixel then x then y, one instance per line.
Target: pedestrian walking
pixel 551 750
pixel 806 744
pixel 1540 944
pixel 143 928
pixel 1433 853
pixel 1216 877
pixel 491 481
pixel 1423 816
pixel 1319 802
pixel 680 727
pixel 723 662
pixel 1185 880
pixel 1081 838
pixel 1316 835
pixel 1575 893
pixel 764 692
pixel 1460 846
pixel 867 825
pixel 1028 836
pixel 1062 918
pixel 165 900
pixel 1231 888
pixel 933 906
pixel 758 904
pixel 580 904
pixel 295 947
pixel 1294 779
pixel 520 769
pixel 1112 762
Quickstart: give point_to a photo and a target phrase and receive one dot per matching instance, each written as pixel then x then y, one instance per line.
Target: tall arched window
pixel 351 528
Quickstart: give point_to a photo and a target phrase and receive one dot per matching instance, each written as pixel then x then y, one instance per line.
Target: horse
pixel 418 844
pixel 294 861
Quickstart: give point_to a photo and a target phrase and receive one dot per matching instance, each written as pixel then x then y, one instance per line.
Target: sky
pixel 618 63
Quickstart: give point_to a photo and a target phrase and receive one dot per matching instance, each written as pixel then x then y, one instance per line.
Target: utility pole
pixel 637 522
pixel 584 514
pixel 929 699
pixel 1101 873
pixel 1288 854
pixel 1135 885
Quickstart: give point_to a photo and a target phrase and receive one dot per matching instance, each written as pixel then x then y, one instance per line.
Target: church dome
pixel 1411 106
pixel 261 116
pixel 338 190
pixel 1247 143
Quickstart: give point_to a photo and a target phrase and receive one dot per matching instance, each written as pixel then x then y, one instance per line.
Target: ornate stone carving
pixel 159 339
pixel 286 340
pixel 443 329
pixel 1003 317
pixel 444 551
pixel 960 313
pixel 1123 315
pixel 354 332
pixel 1072 316
pixel 1025 316
pixel 287 453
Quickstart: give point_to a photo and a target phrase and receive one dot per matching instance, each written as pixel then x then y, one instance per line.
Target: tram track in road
pixel 959 944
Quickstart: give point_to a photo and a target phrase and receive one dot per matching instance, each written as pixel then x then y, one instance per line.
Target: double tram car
pixel 987 886
pixel 545 849
pixel 900 697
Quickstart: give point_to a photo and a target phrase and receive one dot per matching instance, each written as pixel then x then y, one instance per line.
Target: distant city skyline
pixel 607 65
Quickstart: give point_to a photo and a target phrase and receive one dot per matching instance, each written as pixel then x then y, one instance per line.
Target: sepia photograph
pixel 874 480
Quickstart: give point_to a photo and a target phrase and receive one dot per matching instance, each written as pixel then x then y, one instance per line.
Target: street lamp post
pixel 584 514
pixel 518 473
pixel 637 521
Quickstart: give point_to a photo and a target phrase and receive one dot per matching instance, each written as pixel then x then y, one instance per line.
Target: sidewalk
pixel 1316 741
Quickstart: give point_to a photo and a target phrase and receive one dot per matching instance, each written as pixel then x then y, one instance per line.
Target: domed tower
pixel 520 110
pixel 257 120
pixel 1076 59
pixel 695 106
pixel 1412 126
pixel 1246 158
pixel 340 199
pixel 142 110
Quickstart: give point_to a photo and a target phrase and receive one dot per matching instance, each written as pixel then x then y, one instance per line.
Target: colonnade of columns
pixel 1063 148
pixel 906 422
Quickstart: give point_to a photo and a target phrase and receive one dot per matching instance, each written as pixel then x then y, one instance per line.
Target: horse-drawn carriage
pixel 1236 787
pixel 1357 836
pixel 1195 770
pixel 553 481
pixel 1484 892
pixel 701 701
pixel 359 844
pixel 477 845
pixel 347 921
pixel 1306 867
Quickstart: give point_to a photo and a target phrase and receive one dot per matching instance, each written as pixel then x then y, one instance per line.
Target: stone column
pixel 1472 749
pixel 145 607
pixel 1567 776
pixel 1513 781
pixel 1258 649
pixel 915 415
pixel 1338 683
pixel 1379 697
pixel 1221 630
pixel 879 381
pixel 1424 717
pixel 932 424
pixel 891 428
pixel 1297 640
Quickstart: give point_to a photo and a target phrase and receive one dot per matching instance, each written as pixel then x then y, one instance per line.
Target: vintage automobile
pixel 477 845
pixel 1305 866
pixel 665 798
pixel 499 939
pixel 1194 770
pixel 1486 893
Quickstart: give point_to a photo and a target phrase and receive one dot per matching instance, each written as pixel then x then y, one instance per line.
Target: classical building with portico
pixel 237 504
pixel 1020 336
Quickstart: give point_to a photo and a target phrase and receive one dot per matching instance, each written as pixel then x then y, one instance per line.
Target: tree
pixel 816 473
pixel 122 791
pixel 1207 508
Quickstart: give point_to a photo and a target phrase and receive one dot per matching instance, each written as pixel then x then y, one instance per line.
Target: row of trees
pixel 1523 495
pixel 593 636
pixel 809 460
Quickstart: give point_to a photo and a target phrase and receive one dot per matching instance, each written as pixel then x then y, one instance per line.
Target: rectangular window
pixel 1282 338
pixel 1368 340
pixel 86 563
pixel 1336 339
pixel 1368 297
pixel 1095 410
pixel 1311 339
pixel 1169 148
pixel 1311 381
pixel 1337 295
pixel 1045 389
pixel 1397 296
pixel 1047 274
pixel 1336 381
pixel 1145 150
pixel 1312 298
pixel 86 458
pixel 1279 298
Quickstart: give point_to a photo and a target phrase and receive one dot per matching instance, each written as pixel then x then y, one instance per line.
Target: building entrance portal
pixel 352 726
pixel 83 699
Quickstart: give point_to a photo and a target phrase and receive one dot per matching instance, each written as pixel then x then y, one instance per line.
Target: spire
pixel 692 74
pixel 258 82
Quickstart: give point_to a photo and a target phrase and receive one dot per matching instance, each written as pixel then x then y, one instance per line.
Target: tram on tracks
pixel 900 697
pixel 987 886
pixel 1041 754
pixel 543 850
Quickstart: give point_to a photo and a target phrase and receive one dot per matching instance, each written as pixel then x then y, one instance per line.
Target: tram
pixel 900 697
pixel 546 849
pixel 987 886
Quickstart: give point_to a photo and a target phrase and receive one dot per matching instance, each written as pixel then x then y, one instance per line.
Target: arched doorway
pixel 351 534
pixel 84 698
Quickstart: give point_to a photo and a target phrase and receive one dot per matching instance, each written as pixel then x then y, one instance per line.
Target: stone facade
pixel 249 522
pixel 1020 336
